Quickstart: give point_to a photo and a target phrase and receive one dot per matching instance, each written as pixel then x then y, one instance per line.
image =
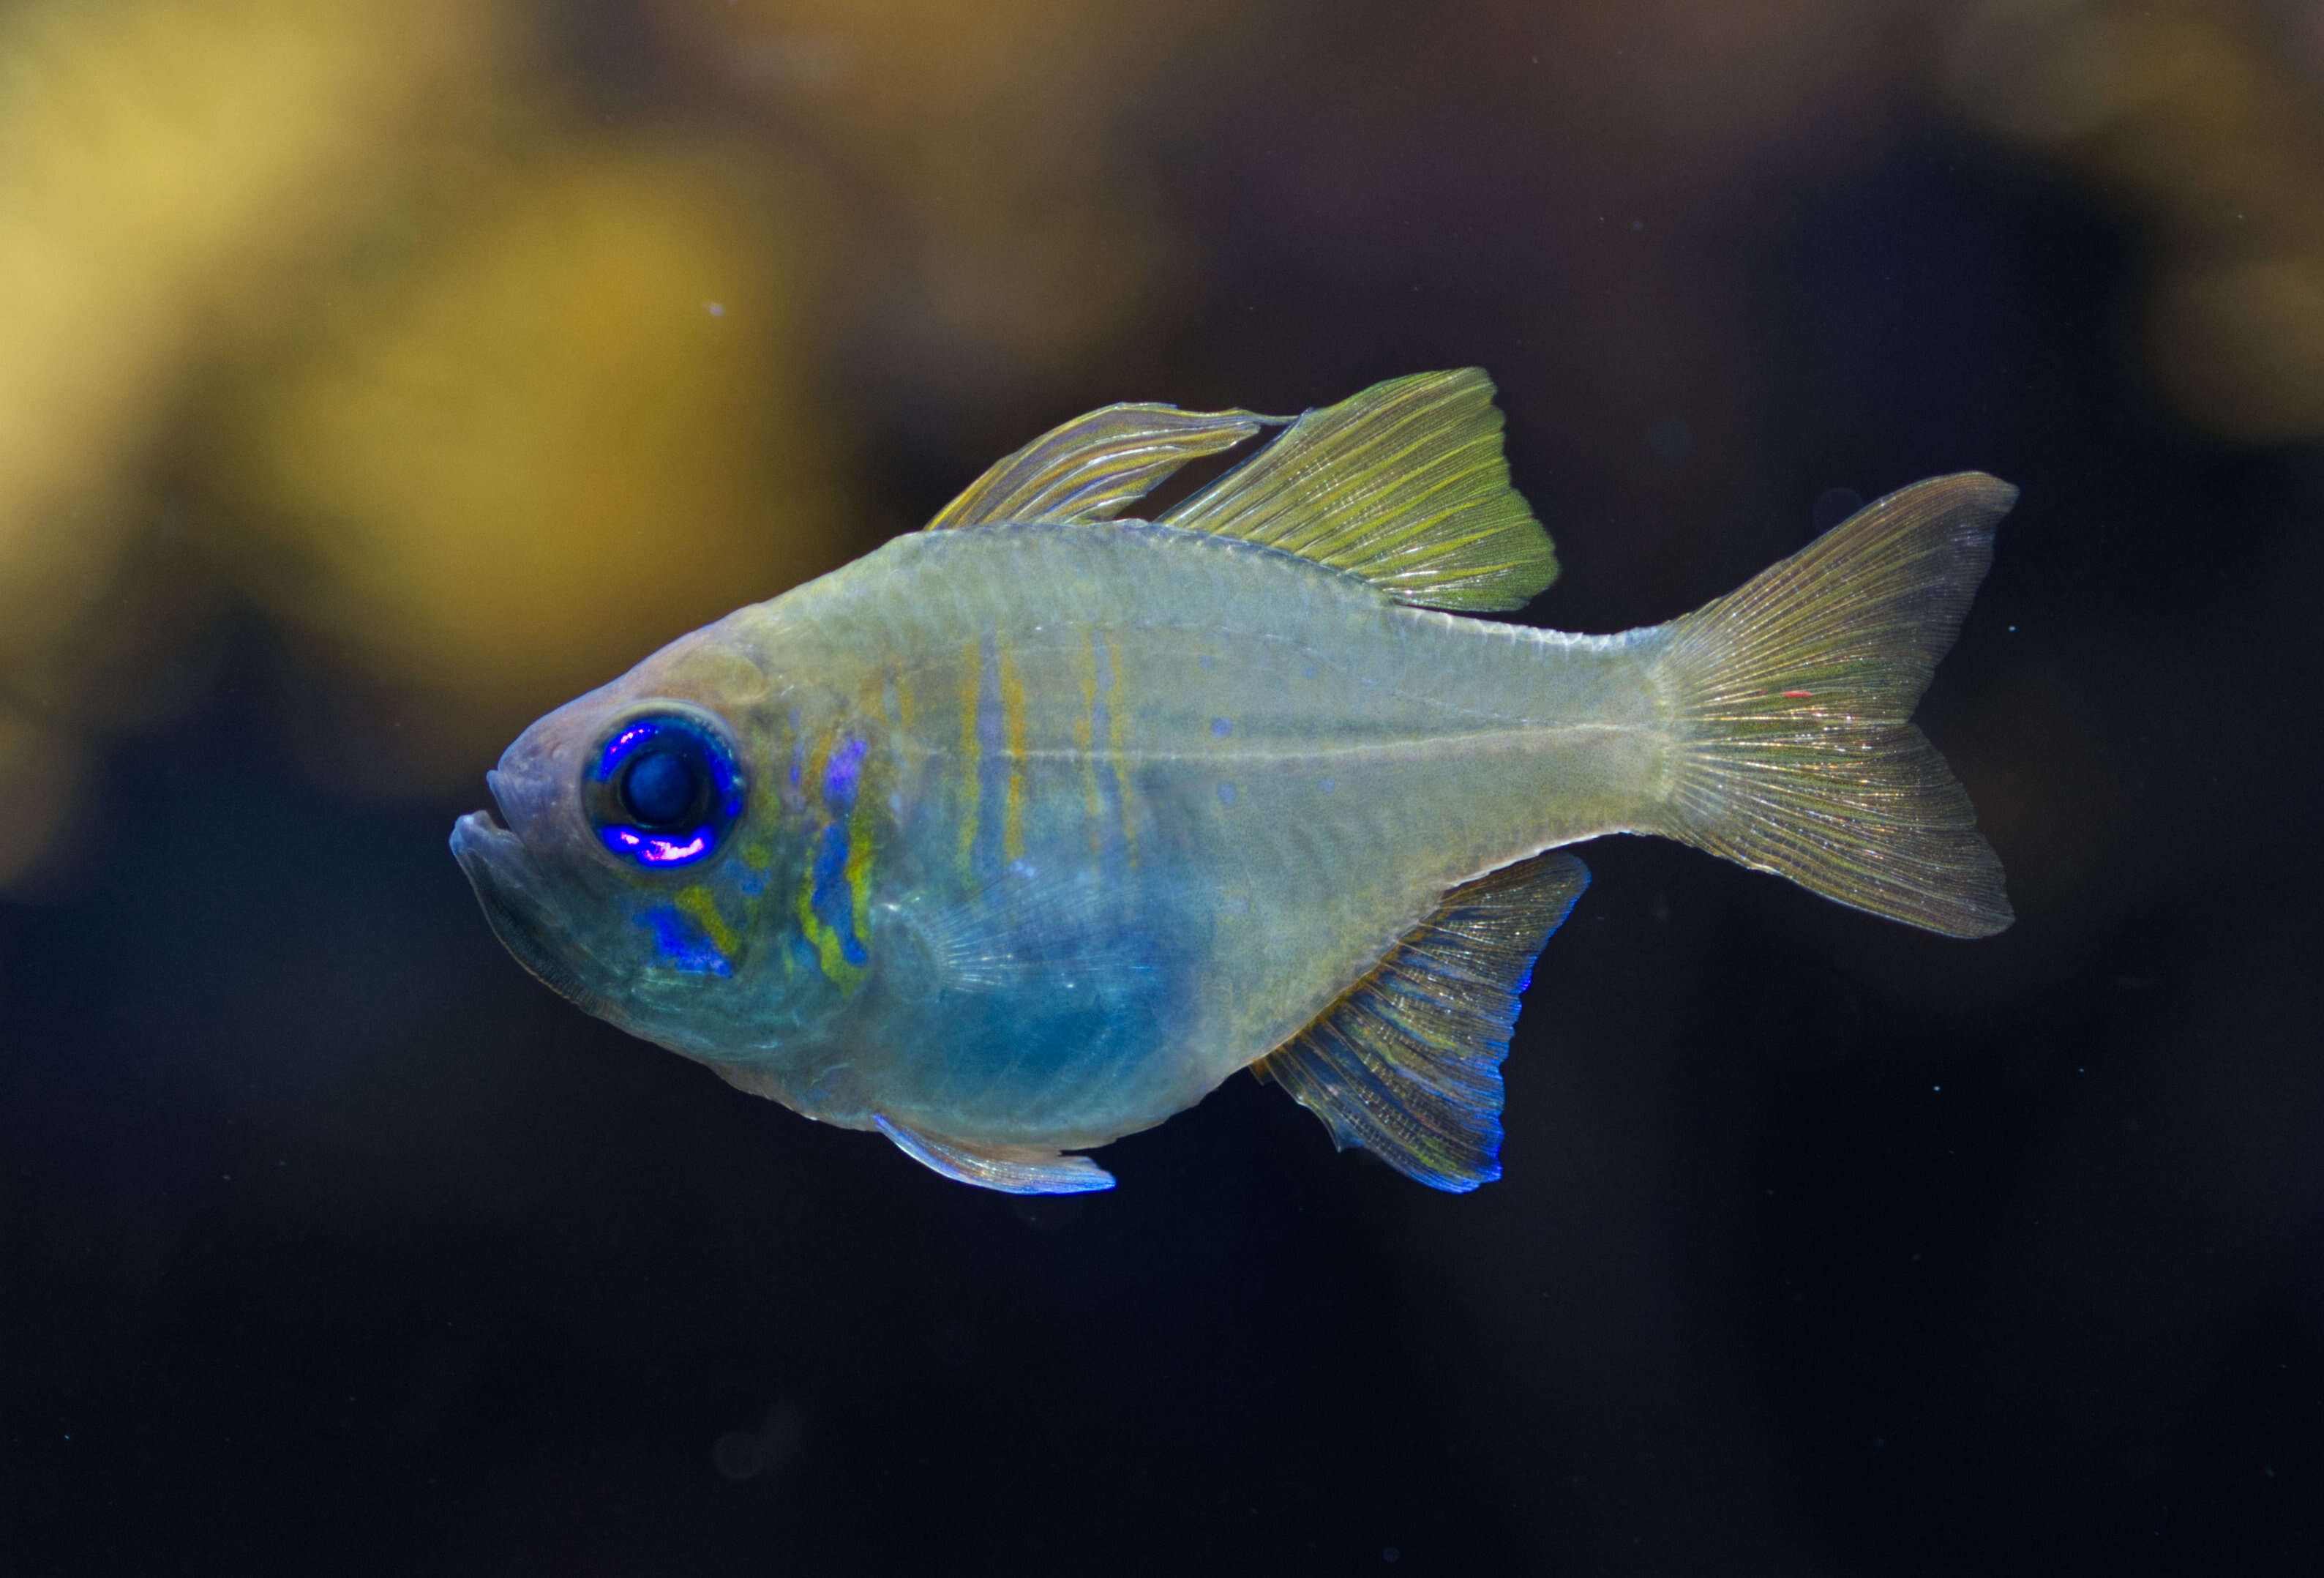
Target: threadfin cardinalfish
pixel 1021 833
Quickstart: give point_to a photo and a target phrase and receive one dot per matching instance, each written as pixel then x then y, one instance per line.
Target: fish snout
pixel 493 858
pixel 509 886
pixel 537 775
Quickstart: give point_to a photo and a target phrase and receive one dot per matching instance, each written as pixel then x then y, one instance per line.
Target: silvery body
pixel 1048 826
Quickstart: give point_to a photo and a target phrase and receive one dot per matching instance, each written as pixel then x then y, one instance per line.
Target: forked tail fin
pixel 1794 696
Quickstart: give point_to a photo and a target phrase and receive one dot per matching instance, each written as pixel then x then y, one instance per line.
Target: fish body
pixel 1021 834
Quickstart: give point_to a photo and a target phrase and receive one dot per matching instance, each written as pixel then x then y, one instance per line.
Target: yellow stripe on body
pixel 818 757
pixel 1085 742
pixel 907 706
pixel 830 946
pixel 1114 736
pixel 1013 728
pixel 971 750
pixel 830 953
pixel 862 840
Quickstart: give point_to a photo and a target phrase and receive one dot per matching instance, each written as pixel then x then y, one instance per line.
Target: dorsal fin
pixel 1403 485
pixel 1407 1062
pixel 1095 465
pixel 1013 1169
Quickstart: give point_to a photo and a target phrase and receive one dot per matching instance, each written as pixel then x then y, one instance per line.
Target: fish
pixel 1024 831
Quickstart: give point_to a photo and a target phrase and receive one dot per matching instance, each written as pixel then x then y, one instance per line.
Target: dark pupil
pixel 659 790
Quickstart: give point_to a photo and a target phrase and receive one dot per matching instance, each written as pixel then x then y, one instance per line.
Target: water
pixel 531 336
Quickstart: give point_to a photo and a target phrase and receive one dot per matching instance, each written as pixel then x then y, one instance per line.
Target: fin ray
pixel 1022 927
pixel 1097 465
pixel 1013 1169
pixel 1404 485
pixel 1795 691
pixel 1407 1062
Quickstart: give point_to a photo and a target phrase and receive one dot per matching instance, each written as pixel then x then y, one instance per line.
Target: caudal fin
pixel 1795 695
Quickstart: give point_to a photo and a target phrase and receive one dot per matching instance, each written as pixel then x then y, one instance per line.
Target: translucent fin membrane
pixel 1403 485
pixel 1013 1169
pixel 1408 1062
pixel 1796 689
pixel 1096 465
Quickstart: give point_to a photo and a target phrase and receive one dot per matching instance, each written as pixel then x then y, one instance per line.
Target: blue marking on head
pixel 843 777
pixel 830 898
pixel 682 945
pixel 1226 794
pixel 1223 727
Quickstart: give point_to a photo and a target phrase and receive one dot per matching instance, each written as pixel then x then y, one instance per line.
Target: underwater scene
pixel 877 785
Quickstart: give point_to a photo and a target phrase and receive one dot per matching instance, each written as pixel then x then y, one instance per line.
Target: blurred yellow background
pixel 360 316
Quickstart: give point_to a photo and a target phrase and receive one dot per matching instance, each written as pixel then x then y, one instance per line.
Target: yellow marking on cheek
pixel 696 905
pixel 971 749
pixel 1013 725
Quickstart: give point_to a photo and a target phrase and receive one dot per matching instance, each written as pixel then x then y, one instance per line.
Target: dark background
pixel 330 1243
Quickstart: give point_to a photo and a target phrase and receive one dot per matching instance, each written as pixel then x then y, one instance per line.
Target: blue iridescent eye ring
pixel 664 790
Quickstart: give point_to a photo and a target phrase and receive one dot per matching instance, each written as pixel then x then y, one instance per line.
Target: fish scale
pixel 1374 755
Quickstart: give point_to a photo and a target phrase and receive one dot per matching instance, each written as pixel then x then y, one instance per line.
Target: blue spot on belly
pixel 1329 785
pixel 1226 794
pixel 1223 727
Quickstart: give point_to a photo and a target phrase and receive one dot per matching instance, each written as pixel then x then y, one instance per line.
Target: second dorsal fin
pixel 1407 1062
pixel 1403 485
pixel 1096 465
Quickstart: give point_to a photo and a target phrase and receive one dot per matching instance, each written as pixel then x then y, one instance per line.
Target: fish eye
pixel 664 790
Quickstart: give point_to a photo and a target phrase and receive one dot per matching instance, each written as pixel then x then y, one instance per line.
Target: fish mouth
pixel 508 888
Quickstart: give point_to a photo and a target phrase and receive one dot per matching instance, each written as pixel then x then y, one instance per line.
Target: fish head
pixel 628 867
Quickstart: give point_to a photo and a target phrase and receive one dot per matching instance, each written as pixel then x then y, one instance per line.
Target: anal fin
pixel 1407 1062
pixel 1013 1169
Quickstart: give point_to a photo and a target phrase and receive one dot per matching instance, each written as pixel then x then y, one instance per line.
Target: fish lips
pixel 507 886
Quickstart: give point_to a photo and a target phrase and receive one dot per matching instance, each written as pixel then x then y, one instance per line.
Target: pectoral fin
pixel 1407 1063
pixel 1013 1169
pixel 1027 928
